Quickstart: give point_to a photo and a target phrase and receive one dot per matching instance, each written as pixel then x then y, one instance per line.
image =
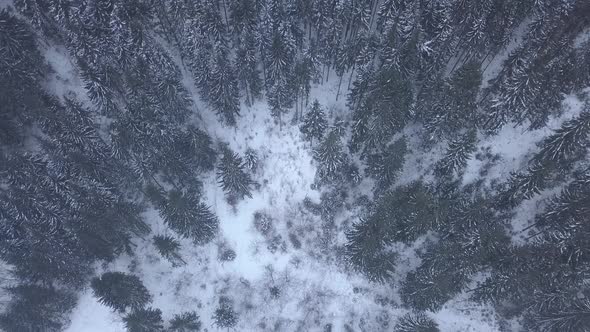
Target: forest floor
pixel 315 287
pixel 299 255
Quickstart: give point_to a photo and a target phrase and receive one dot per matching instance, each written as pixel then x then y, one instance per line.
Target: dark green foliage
pixel 232 175
pixel 366 250
pixel 223 88
pixel 435 281
pixel 384 167
pixel 251 160
pixel 120 291
pixel 314 123
pixel 168 247
pixel 381 102
pixel 190 218
pixel 562 312
pixel 247 73
pixel 144 320
pixel 37 308
pixel 331 158
pixel 225 316
pixel 452 105
pixel 458 153
pixel 418 322
pixel 567 141
pixel 524 185
pixel 401 215
pixel 185 322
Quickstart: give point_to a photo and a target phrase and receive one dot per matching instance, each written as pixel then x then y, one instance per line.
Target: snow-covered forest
pixel 294 165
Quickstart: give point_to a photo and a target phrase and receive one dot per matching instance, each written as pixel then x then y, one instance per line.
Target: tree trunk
pixel 225 14
pixel 351 73
pixel 339 84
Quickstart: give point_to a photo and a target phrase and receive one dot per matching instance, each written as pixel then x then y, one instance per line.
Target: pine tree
pixel 225 316
pixel 168 247
pixel 185 322
pixel 231 174
pixel 418 322
pixel 120 291
pixel 314 122
pixel 144 320
pixel 330 157
pixel 188 217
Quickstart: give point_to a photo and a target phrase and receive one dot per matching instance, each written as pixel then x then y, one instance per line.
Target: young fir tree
pixel 251 160
pixel 314 123
pixel 225 316
pixel 168 247
pixel 185 322
pixel 418 322
pixel 188 217
pixel 330 157
pixel 144 320
pixel 232 175
pixel 120 291
pixel 36 308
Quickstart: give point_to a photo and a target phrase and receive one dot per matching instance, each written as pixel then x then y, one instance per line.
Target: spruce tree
pixel 330 157
pixel 144 320
pixel 314 122
pixel 385 166
pixel 225 316
pixel 37 308
pixel 232 175
pixel 168 247
pixel 418 322
pixel 567 141
pixel 185 322
pixel 190 218
pixel 223 87
pixel 120 291
pixel 458 153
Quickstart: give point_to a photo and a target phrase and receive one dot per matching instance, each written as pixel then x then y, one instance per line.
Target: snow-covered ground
pixel 314 291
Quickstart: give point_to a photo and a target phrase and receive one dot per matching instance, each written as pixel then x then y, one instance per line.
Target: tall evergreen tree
pixel 188 217
pixel 120 291
pixel 314 122
pixel 185 322
pixel 144 320
pixel 418 322
pixel 36 308
pixel 232 176
pixel 225 316
pixel 168 247
pixel 331 157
